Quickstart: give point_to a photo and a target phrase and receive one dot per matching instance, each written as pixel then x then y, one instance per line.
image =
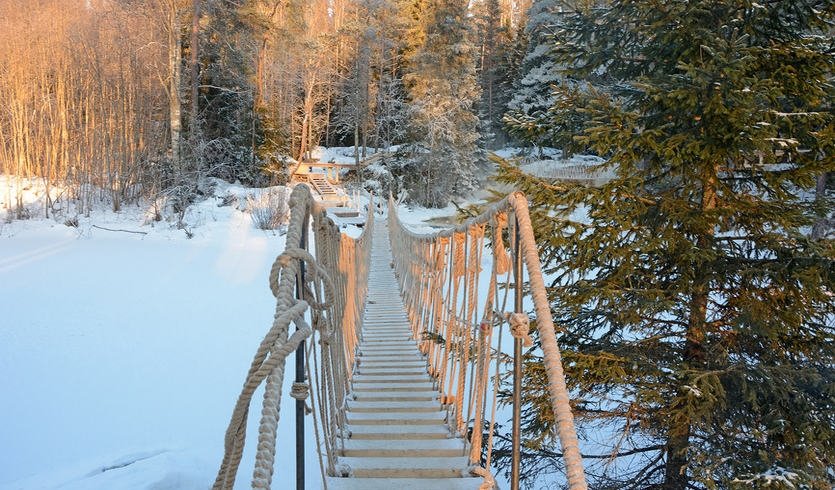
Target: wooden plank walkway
pixel 399 437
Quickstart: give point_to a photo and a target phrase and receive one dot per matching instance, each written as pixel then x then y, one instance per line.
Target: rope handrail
pixel 440 275
pixel 330 283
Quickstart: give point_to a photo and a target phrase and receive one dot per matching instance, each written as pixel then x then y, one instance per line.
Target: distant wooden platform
pixel 305 169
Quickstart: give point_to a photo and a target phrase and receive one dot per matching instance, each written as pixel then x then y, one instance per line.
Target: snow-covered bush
pixel 380 179
pixel 269 209
pixel 228 200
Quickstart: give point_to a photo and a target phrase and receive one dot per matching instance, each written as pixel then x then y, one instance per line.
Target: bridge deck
pixel 399 436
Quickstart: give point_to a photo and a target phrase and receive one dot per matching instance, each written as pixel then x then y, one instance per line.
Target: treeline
pixel 145 97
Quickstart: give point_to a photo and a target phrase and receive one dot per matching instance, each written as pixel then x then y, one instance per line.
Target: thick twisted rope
pixel 324 289
pixel 502 259
pixel 424 291
pixel 489 482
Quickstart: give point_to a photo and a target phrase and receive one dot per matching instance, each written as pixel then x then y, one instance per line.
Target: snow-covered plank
pixel 403 448
pixel 400 406
pixel 448 467
pixel 396 418
pixel 397 431
pixel 403 483
pixel 414 371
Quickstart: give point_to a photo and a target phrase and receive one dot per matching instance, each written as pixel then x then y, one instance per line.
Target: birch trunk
pixel 194 46
pixel 174 62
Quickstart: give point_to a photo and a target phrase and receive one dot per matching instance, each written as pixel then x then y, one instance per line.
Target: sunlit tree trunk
pixel 194 68
pixel 174 67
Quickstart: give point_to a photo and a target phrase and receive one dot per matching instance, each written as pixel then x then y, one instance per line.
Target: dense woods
pixel 81 97
pixel 694 290
pixel 147 97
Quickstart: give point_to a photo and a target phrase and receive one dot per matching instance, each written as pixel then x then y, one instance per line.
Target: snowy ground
pixel 122 354
pixel 341 154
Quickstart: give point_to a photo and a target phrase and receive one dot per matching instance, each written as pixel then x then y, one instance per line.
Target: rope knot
pixel 300 391
pixel 488 482
pixel 486 327
pixel 282 262
pixel 520 327
pixel 284 259
pixel 321 324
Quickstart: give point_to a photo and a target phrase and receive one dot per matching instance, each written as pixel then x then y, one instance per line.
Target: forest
pixel 146 97
pixel 694 290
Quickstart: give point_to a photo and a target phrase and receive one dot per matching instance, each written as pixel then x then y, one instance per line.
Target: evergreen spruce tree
pixel 532 93
pixel 416 16
pixel 698 316
pixel 494 37
pixel 443 91
pixel 508 73
pixel 231 126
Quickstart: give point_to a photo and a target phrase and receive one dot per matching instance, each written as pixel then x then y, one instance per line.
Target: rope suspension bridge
pixel 399 343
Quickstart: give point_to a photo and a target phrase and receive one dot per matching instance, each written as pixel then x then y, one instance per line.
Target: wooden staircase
pixel 322 186
pixel 399 439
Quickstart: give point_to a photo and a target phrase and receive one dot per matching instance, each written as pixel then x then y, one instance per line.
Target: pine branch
pixel 557 455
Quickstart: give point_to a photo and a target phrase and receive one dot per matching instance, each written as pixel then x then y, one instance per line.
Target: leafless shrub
pixel 228 200
pixel 269 209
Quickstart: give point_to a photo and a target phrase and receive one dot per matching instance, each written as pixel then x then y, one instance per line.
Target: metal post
pixel 517 366
pixel 300 377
